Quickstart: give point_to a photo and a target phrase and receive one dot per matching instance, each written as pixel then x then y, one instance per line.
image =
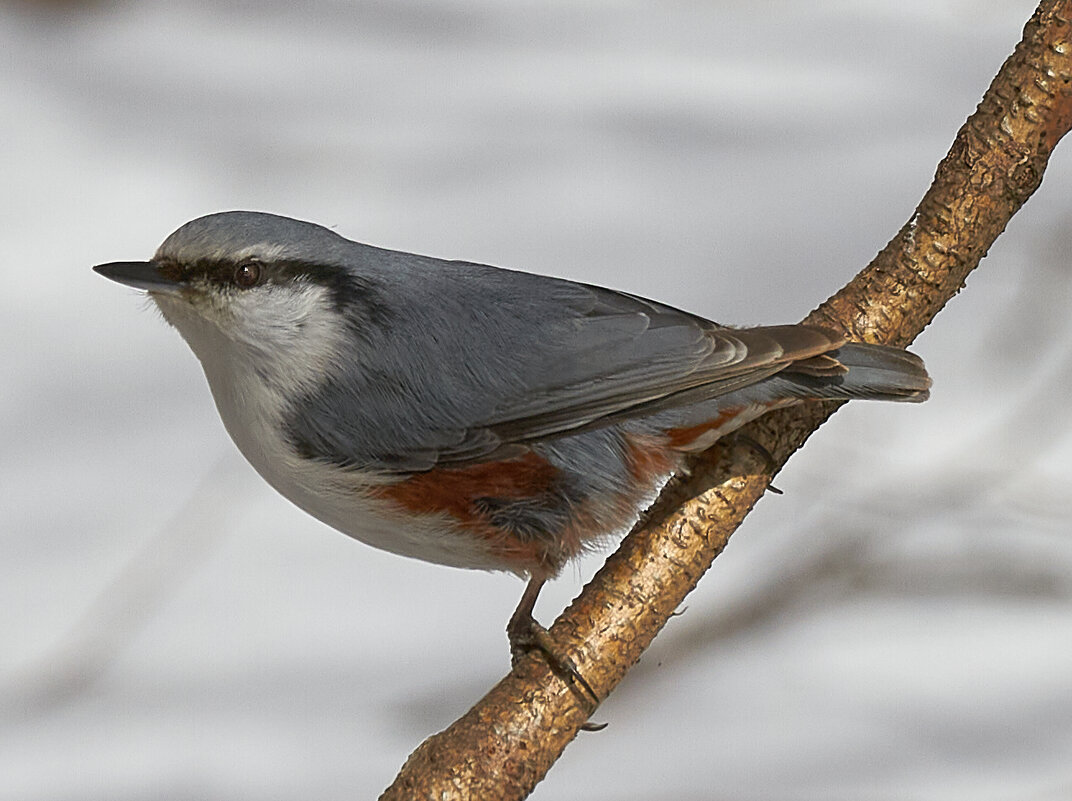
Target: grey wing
pixel 624 357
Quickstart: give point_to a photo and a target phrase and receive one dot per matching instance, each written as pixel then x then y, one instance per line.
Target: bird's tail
pixel 869 372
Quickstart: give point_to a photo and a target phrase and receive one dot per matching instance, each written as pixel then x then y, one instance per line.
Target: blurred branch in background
pixel 850 566
pixel 127 605
pixel 503 746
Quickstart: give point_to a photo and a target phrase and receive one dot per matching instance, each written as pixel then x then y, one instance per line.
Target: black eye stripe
pixel 244 273
pixel 226 271
pixel 347 290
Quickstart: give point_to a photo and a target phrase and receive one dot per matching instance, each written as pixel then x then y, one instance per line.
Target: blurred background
pixel 897 625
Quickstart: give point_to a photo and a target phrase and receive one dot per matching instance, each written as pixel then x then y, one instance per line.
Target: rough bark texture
pixel 506 743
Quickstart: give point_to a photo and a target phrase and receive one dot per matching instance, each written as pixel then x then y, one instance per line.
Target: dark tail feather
pixel 872 372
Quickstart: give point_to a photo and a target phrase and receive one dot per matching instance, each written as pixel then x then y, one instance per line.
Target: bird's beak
pixel 140 275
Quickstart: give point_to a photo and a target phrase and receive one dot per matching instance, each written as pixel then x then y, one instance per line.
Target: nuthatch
pixel 465 414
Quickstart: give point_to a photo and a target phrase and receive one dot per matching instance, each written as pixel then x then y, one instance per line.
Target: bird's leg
pixel 525 635
pixel 522 630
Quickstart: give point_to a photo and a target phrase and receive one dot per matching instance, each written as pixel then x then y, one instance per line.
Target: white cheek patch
pixel 270 340
pixel 293 334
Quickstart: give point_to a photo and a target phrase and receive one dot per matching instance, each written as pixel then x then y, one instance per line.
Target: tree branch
pixel 506 743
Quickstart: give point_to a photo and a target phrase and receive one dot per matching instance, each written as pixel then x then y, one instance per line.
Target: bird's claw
pixel 525 635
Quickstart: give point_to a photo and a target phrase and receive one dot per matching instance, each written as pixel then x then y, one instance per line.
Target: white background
pixel 897 625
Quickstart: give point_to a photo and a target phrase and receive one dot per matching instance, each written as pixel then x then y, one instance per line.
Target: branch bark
pixel 505 744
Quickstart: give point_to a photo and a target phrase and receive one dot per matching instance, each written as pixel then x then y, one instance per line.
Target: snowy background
pixel 897 625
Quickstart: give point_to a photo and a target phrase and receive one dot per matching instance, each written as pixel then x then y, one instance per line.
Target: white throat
pixel 259 349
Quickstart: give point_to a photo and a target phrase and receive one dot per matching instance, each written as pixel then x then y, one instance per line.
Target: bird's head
pixel 269 291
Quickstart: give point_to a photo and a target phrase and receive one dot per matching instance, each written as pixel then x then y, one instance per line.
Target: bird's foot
pixel 526 634
pixel 760 450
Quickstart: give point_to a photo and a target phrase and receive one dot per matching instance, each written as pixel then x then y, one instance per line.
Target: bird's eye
pixel 247 274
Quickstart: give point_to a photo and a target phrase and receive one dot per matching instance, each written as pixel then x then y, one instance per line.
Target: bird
pixel 465 414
